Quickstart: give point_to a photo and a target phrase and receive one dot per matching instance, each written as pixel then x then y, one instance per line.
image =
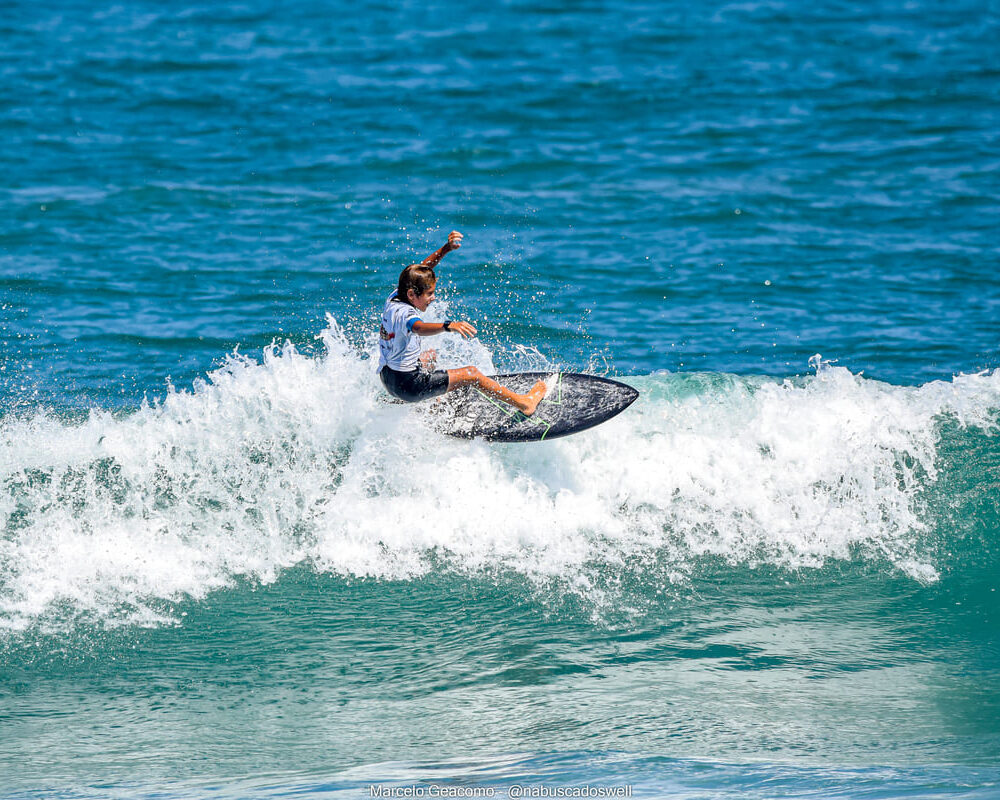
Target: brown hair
pixel 418 277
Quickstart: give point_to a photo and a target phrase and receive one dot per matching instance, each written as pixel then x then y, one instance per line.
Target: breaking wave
pixel 297 459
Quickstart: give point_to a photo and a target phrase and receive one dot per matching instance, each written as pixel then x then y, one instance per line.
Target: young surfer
pixel 410 375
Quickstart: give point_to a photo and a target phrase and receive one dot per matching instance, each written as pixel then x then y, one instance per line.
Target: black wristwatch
pixel 446 324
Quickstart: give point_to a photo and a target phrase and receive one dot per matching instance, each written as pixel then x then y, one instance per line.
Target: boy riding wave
pixel 409 374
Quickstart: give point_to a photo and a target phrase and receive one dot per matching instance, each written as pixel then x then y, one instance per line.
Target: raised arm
pixel 454 242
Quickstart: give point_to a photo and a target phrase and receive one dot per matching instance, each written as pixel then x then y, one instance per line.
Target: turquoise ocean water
pixel 229 569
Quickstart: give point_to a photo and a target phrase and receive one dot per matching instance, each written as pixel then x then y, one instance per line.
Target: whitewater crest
pixel 299 460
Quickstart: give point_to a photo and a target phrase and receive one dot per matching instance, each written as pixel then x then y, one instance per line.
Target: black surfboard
pixel 574 403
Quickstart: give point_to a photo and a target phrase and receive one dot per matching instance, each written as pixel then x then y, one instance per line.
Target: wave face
pixel 297 460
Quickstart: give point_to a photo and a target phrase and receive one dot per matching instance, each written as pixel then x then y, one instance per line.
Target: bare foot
pixel 533 398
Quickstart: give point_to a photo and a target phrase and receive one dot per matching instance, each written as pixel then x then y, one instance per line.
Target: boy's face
pixel 421 301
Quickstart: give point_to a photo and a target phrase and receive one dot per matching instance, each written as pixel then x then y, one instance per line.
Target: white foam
pixel 298 459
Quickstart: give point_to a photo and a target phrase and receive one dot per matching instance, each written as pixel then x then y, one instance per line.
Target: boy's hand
pixel 453 243
pixel 464 328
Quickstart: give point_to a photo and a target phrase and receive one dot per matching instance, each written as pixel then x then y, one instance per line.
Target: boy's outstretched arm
pixel 466 329
pixel 454 242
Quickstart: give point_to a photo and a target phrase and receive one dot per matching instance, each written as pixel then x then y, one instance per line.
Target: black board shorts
pixel 414 385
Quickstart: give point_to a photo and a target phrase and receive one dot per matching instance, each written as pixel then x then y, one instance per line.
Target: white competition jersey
pixel 399 346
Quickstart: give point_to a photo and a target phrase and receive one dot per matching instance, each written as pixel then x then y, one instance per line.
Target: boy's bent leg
pixel 525 403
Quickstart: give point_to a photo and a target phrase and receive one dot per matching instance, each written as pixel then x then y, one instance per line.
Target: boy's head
pixel 415 283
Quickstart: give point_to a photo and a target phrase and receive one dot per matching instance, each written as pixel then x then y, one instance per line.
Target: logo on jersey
pixel 385 334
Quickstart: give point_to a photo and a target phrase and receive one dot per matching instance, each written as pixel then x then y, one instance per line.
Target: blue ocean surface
pixel 230 569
